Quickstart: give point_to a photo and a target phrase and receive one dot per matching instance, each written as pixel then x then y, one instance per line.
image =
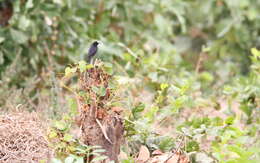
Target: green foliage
pixel 246 89
pixel 192 146
pixel 81 67
pixel 227 139
pixel 137 110
pixel 174 60
pixel 69 149
pixel 58 31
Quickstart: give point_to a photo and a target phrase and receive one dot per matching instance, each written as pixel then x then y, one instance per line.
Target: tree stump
pixel 99 123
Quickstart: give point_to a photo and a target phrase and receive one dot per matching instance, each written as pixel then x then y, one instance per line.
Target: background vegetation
pixel 188 68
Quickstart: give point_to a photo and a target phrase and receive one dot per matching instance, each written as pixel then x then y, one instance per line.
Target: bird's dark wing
pixel 92 51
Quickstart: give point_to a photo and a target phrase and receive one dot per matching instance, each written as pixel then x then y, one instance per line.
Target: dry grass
pixel 22 138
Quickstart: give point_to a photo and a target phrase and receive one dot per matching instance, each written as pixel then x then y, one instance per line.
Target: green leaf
pixel 230 120
pixel 74 159
pixel 101 91
pixel 178 103
pixel 151 114
pixel 55 160
pixel 240 151
pixel 73 106
pixel 95 89
pixel 224 27
pixel 136 110
pixel 82 66
pixel 60 2
pixel 18 36
pixel 255 52
pixel 203 157
pixel 29 4
pixel 2 39
pixel 186 131
pixel 60 125
pixel 79 160
pixel 74 69
pixel 69 159
pixel 99 151
pixel 2 59
pixel 252 14
pixel 43 161
pixel 68 137
pixel 129 160
pixel 52 134
pixel 192 146
pixel 207 77
pixel 166 144
pixel 164 86
pixel 246 108
pixel 108 68
pixel 99 158
pixel 162 23
pixel 153 76
pixel 89 66
pixel 24 23
pixel 69 71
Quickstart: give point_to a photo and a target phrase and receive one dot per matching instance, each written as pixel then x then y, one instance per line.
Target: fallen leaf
pixel 174 159
pixel 160 158
pixel 184 159
pixel 157 152
pixel 122 156
pixel 144 154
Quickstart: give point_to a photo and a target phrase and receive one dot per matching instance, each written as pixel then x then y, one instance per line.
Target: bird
pixel 6 12
pixel 92 51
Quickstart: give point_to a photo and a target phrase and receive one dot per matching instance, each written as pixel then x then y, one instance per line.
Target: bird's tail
pixel 89 59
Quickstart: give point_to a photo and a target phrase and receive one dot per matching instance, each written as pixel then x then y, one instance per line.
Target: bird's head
pixel 95 43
